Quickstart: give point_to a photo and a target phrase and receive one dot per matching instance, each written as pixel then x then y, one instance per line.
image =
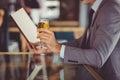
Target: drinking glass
pixel 43 23
pixel 39 65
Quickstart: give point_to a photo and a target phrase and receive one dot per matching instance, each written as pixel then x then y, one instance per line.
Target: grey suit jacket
pixel 103 51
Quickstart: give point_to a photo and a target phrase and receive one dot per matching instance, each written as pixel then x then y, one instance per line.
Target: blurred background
pixel 67 18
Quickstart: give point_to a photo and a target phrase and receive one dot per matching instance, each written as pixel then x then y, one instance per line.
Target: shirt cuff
pixel 62 51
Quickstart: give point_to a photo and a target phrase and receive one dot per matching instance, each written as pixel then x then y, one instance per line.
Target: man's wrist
pixel 57 49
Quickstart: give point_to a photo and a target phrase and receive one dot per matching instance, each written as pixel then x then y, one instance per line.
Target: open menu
pixel 25 25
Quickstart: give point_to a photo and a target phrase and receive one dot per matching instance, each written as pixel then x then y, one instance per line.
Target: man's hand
pixel 33 47
pixel 46 36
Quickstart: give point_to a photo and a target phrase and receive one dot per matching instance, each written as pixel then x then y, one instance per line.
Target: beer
pixel 43 23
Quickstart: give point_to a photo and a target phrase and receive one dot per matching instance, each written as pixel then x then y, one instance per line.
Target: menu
pixel 25 25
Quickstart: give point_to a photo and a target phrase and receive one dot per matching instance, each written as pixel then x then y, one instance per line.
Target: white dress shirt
pixel 95 7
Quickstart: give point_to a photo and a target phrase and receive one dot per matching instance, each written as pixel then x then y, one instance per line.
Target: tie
pixel 91 12
pixel 85 42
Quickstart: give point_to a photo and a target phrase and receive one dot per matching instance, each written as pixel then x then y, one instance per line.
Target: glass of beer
pixel 43 23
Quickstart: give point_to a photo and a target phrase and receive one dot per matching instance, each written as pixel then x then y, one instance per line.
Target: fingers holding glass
pixel 43 23
pixel 49 39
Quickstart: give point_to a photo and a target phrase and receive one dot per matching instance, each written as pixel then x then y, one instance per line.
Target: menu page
pixel 25 24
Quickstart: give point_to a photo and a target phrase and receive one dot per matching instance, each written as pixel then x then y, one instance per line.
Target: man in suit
pixel 99 46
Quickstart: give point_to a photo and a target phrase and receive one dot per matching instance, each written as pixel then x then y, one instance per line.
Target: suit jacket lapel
pixel 96 14
pixel 84 44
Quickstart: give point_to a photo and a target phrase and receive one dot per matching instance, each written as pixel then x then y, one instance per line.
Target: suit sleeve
pixel 106 36
pixel 74 43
